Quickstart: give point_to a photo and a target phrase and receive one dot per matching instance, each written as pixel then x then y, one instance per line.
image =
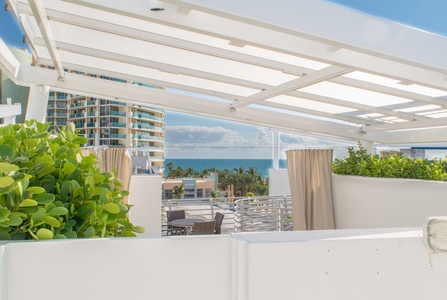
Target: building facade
pixel 113 124
pixel 194 188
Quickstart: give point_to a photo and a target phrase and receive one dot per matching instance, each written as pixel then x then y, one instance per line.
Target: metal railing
pixel 262 213
pixel 269 213
pixel 201 208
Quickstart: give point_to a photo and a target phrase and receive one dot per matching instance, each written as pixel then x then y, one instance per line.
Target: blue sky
pixel 190 136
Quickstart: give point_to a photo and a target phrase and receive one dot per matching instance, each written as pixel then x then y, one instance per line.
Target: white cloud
pixel 216 142
pixel 219 142
pixel 290 141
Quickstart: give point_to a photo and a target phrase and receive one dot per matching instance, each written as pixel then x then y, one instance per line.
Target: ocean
pixel 262 165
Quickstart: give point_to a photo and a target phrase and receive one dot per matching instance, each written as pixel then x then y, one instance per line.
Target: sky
pixel 188 136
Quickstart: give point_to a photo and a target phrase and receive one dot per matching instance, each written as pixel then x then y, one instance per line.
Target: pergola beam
pixel 105 89
pixel 110 27
pixel 300 82
pixel 304 37
pixel 42 21
pixel 359 106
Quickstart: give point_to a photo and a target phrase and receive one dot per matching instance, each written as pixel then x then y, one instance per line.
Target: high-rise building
pixel 102 122
pixel 112 123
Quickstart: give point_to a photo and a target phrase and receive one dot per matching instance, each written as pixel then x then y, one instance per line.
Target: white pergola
pixel 296 66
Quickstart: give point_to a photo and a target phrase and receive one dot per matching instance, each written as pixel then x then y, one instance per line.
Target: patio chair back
pixel 218 218
pixel 204 227
pixel 175 215
pixel 172 215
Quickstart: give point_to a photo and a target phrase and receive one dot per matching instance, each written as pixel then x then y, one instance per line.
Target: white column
pixel 145 196
pixel 275 148
pixel 37 103
pixel 368 146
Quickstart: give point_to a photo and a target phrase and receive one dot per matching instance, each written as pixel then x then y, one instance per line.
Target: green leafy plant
pixel 49 190
pixel 360 163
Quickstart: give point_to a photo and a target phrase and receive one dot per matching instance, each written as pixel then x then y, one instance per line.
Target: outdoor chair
pixel 218 218
pixel 172 215
pixel 204 227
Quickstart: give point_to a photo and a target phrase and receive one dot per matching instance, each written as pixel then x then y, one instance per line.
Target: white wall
pixel 360 265
pixel 145 196
pixel 278 182
pixel 120 268
pixel 363 202
pixel 336 264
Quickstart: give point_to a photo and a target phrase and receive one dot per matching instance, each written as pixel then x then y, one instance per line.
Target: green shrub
pixel 49 190
pixel 360 163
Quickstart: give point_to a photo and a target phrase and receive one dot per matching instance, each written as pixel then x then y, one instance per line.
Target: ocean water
pixel 262 165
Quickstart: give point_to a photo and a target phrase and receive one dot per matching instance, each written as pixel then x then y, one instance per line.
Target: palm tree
pixel 178 191
pixel 239 170
pixel 189 172
pixel 178 173
pixel 170 169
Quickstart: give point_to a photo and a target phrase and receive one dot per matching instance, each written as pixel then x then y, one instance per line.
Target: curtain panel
pixel 114 158
pixel 310 177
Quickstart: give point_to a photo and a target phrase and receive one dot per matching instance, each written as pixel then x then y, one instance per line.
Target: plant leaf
pixel 44 234
pixel 138 229
pixel 6 168
pixel 44 198
pixel 69 168
pixel 70 234
pixel 52 221
pixel 14 220
pixel 36 189
pixel 4 213
pixel 30 143
pixel 4 236
pixel 39 215
pixel 8 151
pixel 112 208
pixel 5 182
pixel 89 232
pixel 28 203
pixel 57 211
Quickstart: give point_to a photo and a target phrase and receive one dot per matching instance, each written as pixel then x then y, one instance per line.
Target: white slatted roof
pixel 299 66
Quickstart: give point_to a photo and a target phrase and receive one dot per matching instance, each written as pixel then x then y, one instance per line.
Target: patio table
pixel 184 222
pixel 188 224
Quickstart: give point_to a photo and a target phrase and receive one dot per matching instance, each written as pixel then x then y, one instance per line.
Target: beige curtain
pixel 87 151
pixel 310 177
pixel 119 159
pixel 111 158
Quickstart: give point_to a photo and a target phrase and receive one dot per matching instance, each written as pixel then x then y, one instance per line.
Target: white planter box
pixel 365 202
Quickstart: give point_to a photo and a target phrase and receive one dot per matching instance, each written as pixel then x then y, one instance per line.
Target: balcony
pixel 144 126
pixel 117 136
pixel 147 137
pixel 80 115
pixel 117 124
pixel 63 115
pixel 118 113
pixel 79 104
pixel 108 102
pixel 147 116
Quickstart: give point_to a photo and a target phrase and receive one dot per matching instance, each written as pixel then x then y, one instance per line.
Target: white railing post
pixel 212 208
pixel 279 214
